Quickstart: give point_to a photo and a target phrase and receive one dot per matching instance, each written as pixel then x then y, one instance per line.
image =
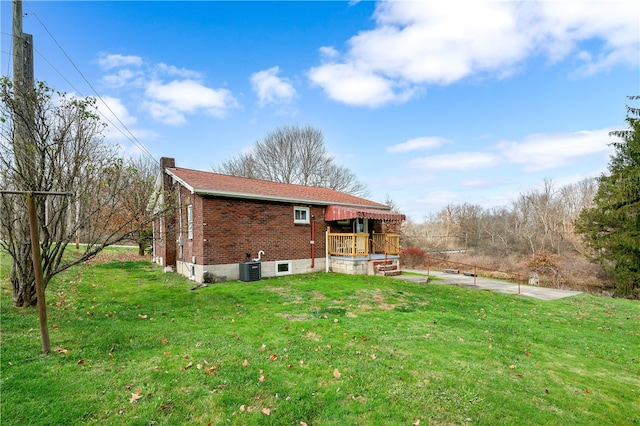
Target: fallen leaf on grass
pixel 527 353
pixel 266 411
pixel 135 396
pixel 373 356
pixel 261 379
pixel 142 316
pixel 61 351
pixel 80 362
pixel 165 341
pixel 262 348
pixel 245 363
pixel 336 373
pixel 511 367
pixel 303 424
pixel 587 391
pixel 417 423
pixel 273 357
pixel 188 366
pixel 211 371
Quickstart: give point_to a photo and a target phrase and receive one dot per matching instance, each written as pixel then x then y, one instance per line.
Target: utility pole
pixel 23 83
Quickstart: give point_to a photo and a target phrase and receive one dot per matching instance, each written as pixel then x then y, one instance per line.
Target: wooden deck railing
pixel 386 243
pixel 349 244
pixel 358 244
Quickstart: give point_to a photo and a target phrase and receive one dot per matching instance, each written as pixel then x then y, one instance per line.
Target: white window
pixel 190 222
pixel 301 214
pixel 284 267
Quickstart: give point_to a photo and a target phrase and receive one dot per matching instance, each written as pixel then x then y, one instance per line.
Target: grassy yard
pixel 134 346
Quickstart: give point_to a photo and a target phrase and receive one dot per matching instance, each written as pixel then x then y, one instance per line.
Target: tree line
pixel 540 219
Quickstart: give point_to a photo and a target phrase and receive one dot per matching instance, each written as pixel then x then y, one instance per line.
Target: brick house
pixel 213 224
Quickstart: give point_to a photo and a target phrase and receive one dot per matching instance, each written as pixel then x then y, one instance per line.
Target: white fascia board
pixel 181 182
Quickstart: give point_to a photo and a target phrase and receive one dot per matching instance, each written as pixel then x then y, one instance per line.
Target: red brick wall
pixel 233 227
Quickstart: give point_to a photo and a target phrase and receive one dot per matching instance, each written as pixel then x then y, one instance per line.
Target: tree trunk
pixel 141 248
pixel 24 286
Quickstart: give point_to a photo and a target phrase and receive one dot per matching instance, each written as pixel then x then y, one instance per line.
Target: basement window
pixel 300 215
pixel 284 267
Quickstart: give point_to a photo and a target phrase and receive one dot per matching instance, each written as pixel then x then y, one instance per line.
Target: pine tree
pixel 611 229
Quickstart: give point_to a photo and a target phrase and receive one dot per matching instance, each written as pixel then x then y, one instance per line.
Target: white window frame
pixel 190 222
pixel 289 270
pixel 296 220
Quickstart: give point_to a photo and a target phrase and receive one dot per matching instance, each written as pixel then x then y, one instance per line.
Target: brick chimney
pixel 168 248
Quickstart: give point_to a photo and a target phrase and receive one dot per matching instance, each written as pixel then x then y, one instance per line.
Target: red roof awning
pixel 341 213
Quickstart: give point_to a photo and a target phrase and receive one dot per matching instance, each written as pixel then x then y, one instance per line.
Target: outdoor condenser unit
pixel 250 271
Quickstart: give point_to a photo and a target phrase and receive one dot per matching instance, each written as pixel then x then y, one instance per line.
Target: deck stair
pixel 388 267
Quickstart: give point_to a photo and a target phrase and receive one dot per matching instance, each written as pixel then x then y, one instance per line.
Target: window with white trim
pixel 190 222
pixel 284 267
pixel 300 215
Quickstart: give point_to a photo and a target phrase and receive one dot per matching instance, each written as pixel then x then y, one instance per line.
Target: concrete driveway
pixel 489 284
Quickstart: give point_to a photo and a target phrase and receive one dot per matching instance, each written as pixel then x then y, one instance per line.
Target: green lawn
pixel 134 346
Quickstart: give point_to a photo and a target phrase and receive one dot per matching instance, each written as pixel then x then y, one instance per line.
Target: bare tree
pixel 58 148
pixel 140 176
pixel 292 154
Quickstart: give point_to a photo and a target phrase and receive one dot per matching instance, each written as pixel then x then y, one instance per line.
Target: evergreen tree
pixel 611 228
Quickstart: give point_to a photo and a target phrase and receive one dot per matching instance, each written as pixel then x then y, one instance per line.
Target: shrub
pixel 412 256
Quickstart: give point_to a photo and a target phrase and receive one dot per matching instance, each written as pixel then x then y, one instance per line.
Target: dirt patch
pixel 298 317
pixel 119 256
pixel 316 295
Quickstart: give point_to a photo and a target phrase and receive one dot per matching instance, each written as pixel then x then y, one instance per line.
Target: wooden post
pixel 37 269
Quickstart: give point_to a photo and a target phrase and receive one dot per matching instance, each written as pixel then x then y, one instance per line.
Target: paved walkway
pixel 503 287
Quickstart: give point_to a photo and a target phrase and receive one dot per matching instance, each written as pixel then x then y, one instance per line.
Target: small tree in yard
pixel 611 229
pixel 52 143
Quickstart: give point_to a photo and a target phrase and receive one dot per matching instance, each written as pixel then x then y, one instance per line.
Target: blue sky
pixel 430 102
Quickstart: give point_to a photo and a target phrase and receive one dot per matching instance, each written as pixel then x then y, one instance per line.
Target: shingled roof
pixel 215 184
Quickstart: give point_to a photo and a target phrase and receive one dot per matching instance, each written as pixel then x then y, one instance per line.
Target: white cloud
pixel 168 93
pixel 168 102
pixel 353 84
pixel 270 88
pixel 549 151
pixel 174 71
pixel 328 52
pixel 107 61
pixel 421 43
pixel 423 143
pixel 124 77
pixel 457 161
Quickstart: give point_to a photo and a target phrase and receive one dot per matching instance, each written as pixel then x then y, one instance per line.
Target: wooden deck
pixel 360 245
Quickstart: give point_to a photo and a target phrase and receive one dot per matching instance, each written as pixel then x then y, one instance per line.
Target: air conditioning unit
pixel 250 271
